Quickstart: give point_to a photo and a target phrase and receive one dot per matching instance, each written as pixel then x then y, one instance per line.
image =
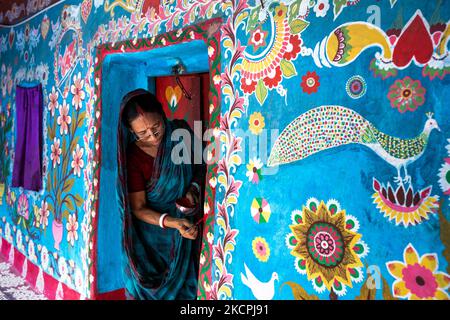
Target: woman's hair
pixel 137 102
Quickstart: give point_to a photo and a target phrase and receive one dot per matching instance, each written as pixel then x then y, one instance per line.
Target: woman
pixel 161 255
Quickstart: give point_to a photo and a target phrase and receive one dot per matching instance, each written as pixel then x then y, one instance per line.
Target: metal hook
pixel 178 69
pixel 186 94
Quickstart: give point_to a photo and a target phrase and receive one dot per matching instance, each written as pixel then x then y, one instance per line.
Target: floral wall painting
pixel 351 96
pixel 399 48
pixel 369 290
pixel 254 174
pixel 274 41
pixel 6 124
pixel 45 26
pixel 256 123
pixel 444 172
pixel 68 49
pixel 327 246
pixel 406 94
pixel 13 12
pixel 404 205
pixel 86 7
pixel 261 249
pixel 26 41
pixel 444 224
pixel 310 82
pixel 133 6
pixel 418 277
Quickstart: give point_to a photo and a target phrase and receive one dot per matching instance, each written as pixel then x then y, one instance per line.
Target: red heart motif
pixel 437 37
pixel 11 38
pixel 414 42
pixel 392 39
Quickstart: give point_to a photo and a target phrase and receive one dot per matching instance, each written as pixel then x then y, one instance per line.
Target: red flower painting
pixel 273 78
pixel 248 86
pixel 293 48
pixel 310 82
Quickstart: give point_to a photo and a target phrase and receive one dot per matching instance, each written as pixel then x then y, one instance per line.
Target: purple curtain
pixel 27 170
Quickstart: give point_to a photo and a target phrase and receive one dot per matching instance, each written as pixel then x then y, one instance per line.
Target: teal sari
pixel 159 263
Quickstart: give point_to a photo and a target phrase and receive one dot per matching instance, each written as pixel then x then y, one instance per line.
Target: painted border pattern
pixel 195 32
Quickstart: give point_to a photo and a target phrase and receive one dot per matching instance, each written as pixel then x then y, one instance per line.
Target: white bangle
pixel 195 184
pixel 161 220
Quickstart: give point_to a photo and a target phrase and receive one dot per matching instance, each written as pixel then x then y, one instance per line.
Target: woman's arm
pixel 148 215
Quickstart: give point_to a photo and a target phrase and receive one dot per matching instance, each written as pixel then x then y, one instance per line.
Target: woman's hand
pixel 186 228
pixel 193 195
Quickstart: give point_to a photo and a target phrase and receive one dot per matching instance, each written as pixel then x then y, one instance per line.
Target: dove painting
pixel 260 290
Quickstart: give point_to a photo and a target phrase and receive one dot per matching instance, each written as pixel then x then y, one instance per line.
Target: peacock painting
pixel 327 127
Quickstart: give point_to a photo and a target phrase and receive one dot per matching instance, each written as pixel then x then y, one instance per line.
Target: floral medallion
pixel 326 245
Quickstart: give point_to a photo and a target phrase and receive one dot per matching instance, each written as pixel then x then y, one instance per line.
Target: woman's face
pixel 148 128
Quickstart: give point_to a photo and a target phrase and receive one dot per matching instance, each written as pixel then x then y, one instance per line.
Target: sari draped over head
pixel 158 263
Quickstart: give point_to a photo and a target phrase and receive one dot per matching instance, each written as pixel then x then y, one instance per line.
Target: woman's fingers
pixel 194 233
pixel 186 223
pixel 190 233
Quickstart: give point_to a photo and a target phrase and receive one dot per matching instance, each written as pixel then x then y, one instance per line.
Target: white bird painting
pixel 328 127
pixel 261 290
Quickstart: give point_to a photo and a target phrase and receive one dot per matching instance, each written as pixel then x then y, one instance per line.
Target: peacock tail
pixel 319 129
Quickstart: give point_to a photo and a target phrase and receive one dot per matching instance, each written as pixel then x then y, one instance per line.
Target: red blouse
pixel 139 168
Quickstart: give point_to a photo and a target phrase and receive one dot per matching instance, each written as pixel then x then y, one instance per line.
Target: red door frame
pixel 210 32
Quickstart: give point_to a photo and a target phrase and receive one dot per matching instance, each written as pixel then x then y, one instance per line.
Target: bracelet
pixel 195 184
pixel 161 220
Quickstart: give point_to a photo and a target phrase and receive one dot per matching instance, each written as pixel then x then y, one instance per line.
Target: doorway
pixel 121 72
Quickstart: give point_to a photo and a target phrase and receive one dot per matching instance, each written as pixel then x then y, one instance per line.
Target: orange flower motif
pixel 406 94
pixel 173 96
